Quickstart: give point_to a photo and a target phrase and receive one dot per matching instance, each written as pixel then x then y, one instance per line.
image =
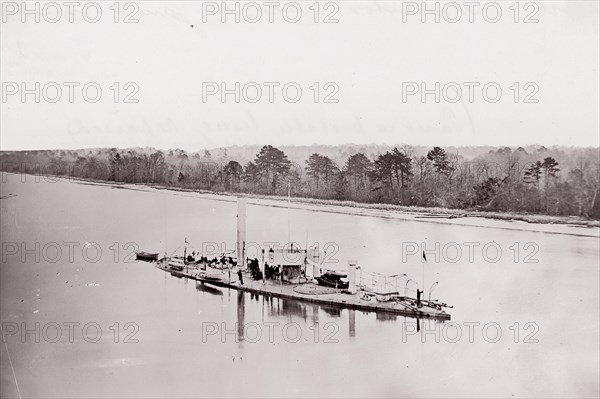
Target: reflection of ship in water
pixel 286 307
pixel 386 317
pixel 241 313
pixel 209 289
pixel 289 309
pixel 292 308
pixel 352 322
pixel 332 311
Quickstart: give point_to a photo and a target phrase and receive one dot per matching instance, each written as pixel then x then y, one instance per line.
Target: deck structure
pixel 309 292
pixel 297 264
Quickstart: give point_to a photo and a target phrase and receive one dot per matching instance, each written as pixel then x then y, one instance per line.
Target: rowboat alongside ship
pixel 209 273
pixel 175 264
pixel 146 256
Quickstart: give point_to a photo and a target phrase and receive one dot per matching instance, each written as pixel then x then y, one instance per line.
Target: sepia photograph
pixel 300 199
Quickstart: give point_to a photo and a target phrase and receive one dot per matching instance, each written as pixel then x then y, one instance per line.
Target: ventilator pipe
pixel 430 288
pixel 406 285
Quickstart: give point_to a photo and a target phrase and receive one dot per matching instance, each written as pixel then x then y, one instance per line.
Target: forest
pixel 532 180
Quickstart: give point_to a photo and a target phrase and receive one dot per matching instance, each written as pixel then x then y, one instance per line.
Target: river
pixel 80 318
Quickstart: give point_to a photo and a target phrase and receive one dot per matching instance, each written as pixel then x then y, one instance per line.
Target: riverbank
pixel 440 212
pixel 573 225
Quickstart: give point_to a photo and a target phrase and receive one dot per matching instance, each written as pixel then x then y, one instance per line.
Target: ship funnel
pixel 352 276
pixel 241 232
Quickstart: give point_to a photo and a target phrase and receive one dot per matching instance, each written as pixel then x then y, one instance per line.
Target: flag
pixel 424 257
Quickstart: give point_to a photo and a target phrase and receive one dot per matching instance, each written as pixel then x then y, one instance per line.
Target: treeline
pixel 544 181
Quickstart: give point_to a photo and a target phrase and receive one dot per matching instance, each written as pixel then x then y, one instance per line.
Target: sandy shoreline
pixel 536 223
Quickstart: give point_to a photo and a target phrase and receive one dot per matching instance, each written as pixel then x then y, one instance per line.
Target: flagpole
pixel 424 276
pixel 424 261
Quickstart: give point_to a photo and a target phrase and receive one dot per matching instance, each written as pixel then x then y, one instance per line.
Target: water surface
pixel 551 282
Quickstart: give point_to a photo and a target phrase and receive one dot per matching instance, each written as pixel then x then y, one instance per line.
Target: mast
pixel 289 200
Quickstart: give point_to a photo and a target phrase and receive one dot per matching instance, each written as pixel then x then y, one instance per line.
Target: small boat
pixel 209 274
pixel 334 280
pixel 212 277
pixel 146 256
pixel 176 264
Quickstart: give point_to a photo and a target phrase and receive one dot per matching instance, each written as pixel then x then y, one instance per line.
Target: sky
pixel 361 75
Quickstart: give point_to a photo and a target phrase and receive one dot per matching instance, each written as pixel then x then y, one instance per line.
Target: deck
pixel 309 292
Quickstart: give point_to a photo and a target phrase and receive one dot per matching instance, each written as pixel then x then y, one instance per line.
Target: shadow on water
pixel 209 289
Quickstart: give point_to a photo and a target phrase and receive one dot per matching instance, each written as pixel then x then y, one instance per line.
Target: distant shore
pixel 414 212
pixel 434 211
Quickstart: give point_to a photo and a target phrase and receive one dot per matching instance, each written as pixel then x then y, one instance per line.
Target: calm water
pixel 188 342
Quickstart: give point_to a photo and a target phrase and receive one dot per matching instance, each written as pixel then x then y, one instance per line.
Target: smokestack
pixel 352 276
pixel 241 232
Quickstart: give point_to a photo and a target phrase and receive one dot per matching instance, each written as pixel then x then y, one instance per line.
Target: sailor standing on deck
pixel 239 273
pixel 419 304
